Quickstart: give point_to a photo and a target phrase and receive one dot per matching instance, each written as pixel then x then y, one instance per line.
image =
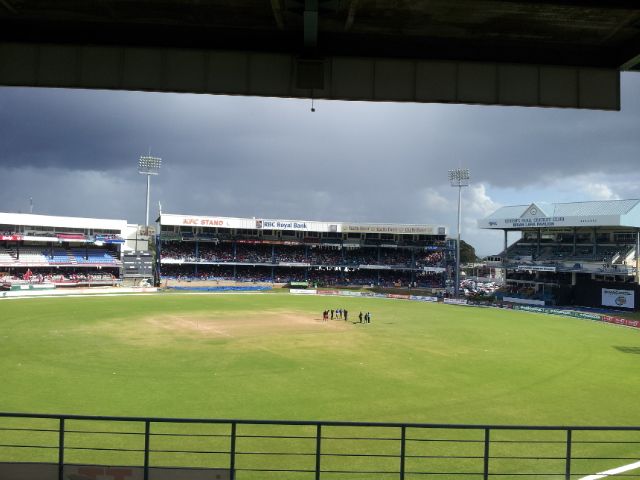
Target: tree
pixel 467 253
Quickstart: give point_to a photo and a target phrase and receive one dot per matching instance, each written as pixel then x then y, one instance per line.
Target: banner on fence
pixel 350 293
pixel 524 301
pixel 621 321
pixel 328 292
pixel 456 301
pixel 303 291
pixel 420 298
pixel 618 298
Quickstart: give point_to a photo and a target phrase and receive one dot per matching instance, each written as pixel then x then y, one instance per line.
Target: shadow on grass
pixel 635 350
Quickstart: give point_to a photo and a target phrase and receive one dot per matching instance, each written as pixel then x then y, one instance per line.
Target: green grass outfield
pixel 270 357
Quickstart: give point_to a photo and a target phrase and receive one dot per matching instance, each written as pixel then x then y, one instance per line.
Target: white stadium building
pixel 579 253
pixel 66 251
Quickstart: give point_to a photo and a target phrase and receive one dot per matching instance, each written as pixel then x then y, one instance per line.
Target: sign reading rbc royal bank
pixel 618 298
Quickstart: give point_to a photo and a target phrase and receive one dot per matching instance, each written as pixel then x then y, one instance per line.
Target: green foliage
pixel 467 253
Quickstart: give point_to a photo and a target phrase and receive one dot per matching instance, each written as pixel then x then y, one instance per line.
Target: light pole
pixel 459 177
pixel 148 166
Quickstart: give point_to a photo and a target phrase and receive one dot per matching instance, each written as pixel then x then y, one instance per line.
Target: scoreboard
pixel 138 264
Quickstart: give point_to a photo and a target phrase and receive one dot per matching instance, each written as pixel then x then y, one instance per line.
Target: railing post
pixel 232 453
pixel 567 472
pixel 147 431
pixel 486 454
pixel 403 440
pixel 318 445
pixel 61 450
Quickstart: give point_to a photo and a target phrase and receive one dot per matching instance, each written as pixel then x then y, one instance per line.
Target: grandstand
pixel 59 249
pixel 580 253
pixel 282 251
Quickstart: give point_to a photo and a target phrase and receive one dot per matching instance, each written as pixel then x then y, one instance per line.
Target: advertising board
pixel 391 228
pixel 524 301
pixel 618 298
pixel 456 301
pixel 302 291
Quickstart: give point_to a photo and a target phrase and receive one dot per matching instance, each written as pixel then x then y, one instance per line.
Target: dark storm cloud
pixel 75 152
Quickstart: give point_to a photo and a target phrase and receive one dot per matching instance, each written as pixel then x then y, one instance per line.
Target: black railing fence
pixel 308 450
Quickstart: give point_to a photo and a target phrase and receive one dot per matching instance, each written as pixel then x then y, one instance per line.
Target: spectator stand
pixel 292 251
pixel 576 253
pixel 67 250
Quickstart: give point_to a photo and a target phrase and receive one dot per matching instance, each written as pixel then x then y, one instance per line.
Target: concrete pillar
pixel 538 245
pixel 595 241
pixel 637 256
pixel 575 240
pixel 574 275
pixel 504 256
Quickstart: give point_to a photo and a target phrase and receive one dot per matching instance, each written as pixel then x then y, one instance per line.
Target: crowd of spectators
pixel 264 253
pixel 247 253
pixel 326 256
pixel 318 277
pixel 37 276
pixel 431 259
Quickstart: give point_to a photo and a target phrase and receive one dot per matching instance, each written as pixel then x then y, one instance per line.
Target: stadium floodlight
pixel 459 177
pixel 148 165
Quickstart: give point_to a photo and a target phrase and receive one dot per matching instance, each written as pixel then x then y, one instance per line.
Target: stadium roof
pixel 32 220
pixel 301 225
pixel 461 51
pixel 574 214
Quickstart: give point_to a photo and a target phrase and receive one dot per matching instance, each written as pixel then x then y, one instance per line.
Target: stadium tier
pixel 281 251
pixel 582 253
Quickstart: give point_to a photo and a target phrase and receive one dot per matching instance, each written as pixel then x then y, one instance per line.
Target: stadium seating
pixel 58 256
pixel 7 257
pixel 522 250
pixel 32 256
pixel 93 256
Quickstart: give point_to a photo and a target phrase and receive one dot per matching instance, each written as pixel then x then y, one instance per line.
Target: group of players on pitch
pixel 343 314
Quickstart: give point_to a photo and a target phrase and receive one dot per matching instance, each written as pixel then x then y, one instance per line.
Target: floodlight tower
pixel 148 165
pixel 459 177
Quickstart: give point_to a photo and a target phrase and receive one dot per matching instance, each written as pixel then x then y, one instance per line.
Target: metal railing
pixel 262 449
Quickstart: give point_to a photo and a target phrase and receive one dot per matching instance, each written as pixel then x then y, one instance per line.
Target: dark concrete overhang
pixel 564 53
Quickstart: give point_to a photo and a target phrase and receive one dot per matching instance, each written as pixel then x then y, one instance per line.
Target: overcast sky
pixel 75 152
